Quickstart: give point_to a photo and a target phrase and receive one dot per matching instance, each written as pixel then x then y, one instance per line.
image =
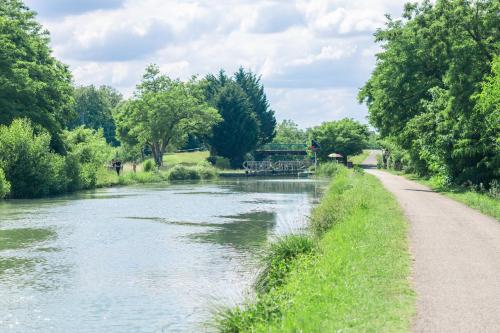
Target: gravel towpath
pixel 456 259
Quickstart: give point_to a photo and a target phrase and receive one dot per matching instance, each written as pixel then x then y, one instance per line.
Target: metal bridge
pixel 278 167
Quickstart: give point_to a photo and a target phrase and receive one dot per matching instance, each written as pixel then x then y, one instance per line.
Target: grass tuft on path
pixel 353 279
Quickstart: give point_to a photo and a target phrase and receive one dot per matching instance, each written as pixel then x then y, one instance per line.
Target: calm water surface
pixel 140 259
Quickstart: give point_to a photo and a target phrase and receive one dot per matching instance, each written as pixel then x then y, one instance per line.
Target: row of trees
pixel 346 137
pixel 51 132
pixel 435 92
pixel 230 115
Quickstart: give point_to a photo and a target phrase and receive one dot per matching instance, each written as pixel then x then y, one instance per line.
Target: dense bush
pixel 180 172
pixel 200 171
pixel 206 171
pixel 87 153
pixel 4 185
pixel 34 170
pixel 148 166
pixel 30 166
pixel 329 169
pixel 219 162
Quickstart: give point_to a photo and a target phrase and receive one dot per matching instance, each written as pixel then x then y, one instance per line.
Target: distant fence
pixel 275 167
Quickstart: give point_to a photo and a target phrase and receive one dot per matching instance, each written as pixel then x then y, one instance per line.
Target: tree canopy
pixel 422 95
pixel 33 84
pixel 243 85
pixel 94 106
pixel 346 137
pixel 237 134
pixel 254 90
pixel 163 112
pixel 289 132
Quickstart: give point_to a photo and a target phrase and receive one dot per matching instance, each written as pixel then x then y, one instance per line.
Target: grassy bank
pixel 484 202
pixel 360 158
pixel 202 171
pixel 350 275
pixel 187 158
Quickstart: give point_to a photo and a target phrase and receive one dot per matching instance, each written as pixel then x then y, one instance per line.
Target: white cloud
pixel 307 51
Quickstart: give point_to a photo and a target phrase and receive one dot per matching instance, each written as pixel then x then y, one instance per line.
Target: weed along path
pixel 456 253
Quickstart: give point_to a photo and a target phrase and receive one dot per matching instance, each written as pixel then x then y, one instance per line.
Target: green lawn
pixel 355 280
pixel 189 158
pixel 360 158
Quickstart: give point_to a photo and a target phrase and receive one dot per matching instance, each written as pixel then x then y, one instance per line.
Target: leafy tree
pixel 346 137
pixel 289 132
pixel 163 112
pixel 253 88
pixel 33 84
pixel 237 134
pixel 4 185
pixel 257 102
pixel 30 166
pixel 421 93
pixel 88 152
pixel 94 109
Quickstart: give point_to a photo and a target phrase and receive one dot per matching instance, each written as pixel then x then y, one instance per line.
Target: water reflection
pixel 140 258
pixel 11 239
pixel 246 231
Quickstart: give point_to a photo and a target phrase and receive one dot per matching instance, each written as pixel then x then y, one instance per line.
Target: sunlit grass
pixel 354 280
pixel 360 158
pixel 187 158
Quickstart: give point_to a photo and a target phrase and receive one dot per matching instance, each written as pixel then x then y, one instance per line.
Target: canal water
pixel 149 258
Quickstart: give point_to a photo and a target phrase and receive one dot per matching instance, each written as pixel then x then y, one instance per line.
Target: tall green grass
pixel 352 276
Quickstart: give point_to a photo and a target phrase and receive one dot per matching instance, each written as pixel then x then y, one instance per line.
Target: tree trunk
pixel 157 155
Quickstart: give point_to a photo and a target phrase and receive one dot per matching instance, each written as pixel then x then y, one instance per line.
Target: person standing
pixel 118 166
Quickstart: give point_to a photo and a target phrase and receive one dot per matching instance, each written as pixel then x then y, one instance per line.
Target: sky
pixel 312 55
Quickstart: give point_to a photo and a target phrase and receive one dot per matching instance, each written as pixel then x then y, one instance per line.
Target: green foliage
pixel 355 277
pixel 219 162
pixel 329 169
pixel 34 170
pixel 279 259
pixel 346 137
pixel 200 171
pixel 238 133
pixel 33 84
pixel 4 185
pixel 206 170
pixel 248 121
pixel 163 112
pixel 87 153
pixel 30 166
pixel 128 153
pixel 148 165
pixel 430 93
pixel 181 172
pixel 93 107
pixel 254 90
pixel 289 132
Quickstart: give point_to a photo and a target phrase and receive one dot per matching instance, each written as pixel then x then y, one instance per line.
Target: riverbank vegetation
pixel 434 95
pixel 349 273
pixel 58 138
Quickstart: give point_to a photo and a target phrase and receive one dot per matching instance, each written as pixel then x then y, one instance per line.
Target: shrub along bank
pixel 29 168
pixel 350 274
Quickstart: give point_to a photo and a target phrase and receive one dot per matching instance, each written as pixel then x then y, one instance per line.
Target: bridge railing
pixel 278 166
